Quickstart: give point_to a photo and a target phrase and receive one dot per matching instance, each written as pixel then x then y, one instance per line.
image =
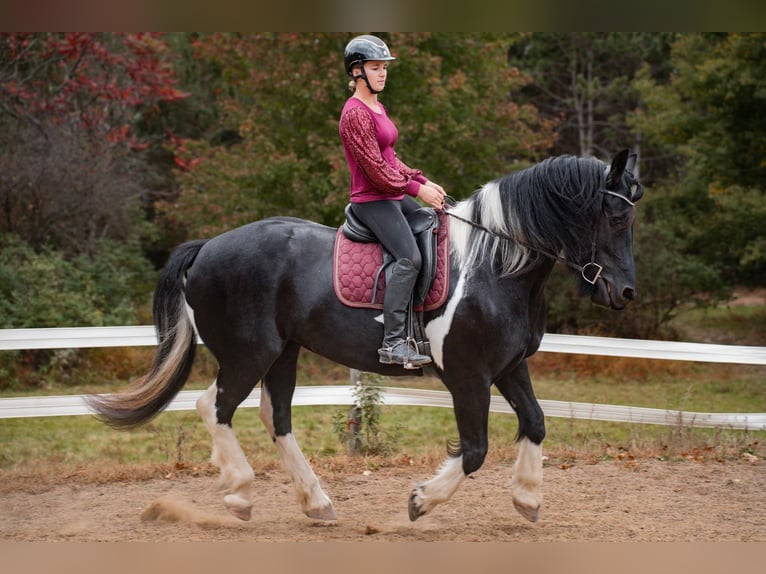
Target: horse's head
pixel 611 277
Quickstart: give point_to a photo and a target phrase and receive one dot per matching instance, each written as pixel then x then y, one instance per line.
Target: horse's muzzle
pixel 606 295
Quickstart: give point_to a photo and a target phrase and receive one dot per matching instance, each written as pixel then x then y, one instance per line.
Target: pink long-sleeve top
pixel 368 140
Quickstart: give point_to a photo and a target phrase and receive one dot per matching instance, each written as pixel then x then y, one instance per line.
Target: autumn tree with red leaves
pixel 69 104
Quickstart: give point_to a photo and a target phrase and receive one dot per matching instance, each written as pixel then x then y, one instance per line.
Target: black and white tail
pixel 148 396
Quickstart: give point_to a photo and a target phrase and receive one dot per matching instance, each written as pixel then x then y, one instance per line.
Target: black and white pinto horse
pixel 258 293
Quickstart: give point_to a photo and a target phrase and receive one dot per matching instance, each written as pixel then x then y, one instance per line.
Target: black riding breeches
pixel 387 220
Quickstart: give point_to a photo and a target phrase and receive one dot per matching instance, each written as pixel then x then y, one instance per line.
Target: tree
pixel 712 114
pixel 457 101
pixel 70 162
pixel 583 81
pixel 92 82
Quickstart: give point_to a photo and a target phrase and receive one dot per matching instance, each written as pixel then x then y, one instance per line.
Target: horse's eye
pixel 618 220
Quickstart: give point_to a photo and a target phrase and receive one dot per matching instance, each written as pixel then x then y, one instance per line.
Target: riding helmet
pixel 364 48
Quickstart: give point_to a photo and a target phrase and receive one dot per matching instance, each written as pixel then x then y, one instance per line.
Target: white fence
pixel 79 337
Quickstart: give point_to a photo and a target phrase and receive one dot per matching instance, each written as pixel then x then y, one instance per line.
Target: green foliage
pixel 46 289
pixel 721 81
pixel 711 116
pixel 451 96
pixel 456 102
pixel 372 439
pixel 583 80
pixel 669 282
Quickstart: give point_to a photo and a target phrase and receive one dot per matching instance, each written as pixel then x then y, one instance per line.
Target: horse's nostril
pixel 628 293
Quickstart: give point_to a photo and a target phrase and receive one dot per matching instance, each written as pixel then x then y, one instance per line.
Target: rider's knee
pixel 417 260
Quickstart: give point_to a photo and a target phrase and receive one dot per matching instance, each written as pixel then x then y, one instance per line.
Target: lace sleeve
pixel 357 130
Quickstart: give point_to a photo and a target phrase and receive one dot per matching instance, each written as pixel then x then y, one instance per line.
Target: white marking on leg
pixel 206 410
pixel 266 411
pixel 438 329
pixel 236 473
pixel 314 502
pixel 528 479
pixel 439 489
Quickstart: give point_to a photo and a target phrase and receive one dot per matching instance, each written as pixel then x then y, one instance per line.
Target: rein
pixel 583 269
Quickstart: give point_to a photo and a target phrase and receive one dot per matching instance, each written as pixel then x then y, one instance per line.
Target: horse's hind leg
pixel 275 412
pixel 528 469
pixel 472 416
pixel 216 407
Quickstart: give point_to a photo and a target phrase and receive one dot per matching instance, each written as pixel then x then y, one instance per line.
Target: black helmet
pixel 364 48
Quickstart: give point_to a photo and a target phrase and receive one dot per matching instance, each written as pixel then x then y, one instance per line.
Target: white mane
pixel 471 245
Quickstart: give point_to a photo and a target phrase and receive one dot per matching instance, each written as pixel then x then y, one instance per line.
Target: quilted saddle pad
pixel 359 280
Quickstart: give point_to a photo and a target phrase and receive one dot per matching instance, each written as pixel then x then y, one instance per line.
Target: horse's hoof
pixel 413 508
pixel 238 506
pixel 243 514
pixel 531 513
pixel 325 513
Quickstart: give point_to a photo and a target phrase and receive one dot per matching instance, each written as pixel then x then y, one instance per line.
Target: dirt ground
pixel 614 501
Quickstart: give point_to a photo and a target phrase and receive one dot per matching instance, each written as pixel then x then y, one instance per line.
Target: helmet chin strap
pixel 366 81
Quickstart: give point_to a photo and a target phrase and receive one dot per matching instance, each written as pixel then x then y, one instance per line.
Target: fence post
pixel 354 420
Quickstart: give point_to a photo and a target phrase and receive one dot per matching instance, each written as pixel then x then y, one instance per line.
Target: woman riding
pixel 383 188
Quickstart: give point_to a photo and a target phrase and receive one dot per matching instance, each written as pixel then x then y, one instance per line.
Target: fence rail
pixel 82 337
pixel 144 335
pixel 21 407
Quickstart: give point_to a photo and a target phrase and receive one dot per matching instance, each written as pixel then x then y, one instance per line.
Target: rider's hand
pixel 432 194
pixel 437 186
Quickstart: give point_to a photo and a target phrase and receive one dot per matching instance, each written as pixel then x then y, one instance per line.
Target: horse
pixel 255 295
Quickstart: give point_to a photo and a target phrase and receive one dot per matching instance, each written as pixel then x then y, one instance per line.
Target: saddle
pixel 361 264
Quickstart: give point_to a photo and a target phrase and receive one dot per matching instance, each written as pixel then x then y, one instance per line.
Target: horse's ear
pixel 632 161
pixel 617 168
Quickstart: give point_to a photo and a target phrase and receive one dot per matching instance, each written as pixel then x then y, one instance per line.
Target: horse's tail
pixel 149 395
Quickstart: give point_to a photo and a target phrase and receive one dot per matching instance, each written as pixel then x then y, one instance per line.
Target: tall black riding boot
pixel 396 348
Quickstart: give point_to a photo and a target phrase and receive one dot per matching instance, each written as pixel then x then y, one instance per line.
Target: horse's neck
pixel 528 287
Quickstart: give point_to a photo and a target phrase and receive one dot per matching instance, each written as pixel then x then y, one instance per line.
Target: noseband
pixel 590 272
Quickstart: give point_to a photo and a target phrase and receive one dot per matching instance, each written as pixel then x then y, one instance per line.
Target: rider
pixel 383 188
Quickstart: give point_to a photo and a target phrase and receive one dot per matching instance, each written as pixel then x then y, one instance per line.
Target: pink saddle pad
pixel 356 266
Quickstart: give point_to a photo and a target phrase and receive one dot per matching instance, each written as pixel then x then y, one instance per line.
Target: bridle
pixel 590 272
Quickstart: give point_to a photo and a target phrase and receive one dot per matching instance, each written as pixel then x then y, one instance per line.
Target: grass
pixel 178 440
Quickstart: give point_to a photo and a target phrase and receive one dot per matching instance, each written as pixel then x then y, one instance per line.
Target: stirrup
pixel 402 353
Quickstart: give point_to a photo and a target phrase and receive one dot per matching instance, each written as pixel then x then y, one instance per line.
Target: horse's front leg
pixel 472 414
pixel 527 478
